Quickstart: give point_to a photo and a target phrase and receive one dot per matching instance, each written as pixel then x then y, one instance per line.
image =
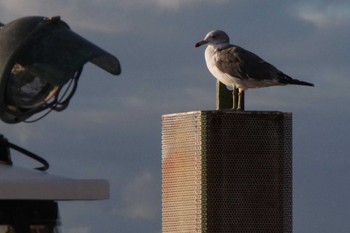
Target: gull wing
pixel 243 64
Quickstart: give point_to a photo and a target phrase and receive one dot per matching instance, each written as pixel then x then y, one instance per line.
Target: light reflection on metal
pixel 27 90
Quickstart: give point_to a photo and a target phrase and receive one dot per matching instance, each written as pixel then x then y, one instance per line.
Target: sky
pixel 112 128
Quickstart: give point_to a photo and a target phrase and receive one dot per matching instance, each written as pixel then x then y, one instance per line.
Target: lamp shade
pixel 39 55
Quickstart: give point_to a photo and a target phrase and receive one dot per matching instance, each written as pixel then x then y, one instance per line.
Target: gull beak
pixel 199 43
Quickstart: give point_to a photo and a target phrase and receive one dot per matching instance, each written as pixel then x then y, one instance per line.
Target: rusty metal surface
pixel 225 171
pixel 182 173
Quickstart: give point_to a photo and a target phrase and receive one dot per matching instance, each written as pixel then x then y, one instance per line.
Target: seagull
pixel 239 68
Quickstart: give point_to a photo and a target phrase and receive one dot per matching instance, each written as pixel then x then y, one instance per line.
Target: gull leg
pixel 241 100
pixel 235 98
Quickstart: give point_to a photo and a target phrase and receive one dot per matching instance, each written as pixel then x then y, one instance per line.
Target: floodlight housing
pixel 38 56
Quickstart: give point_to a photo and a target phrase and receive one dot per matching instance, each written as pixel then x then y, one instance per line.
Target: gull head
pixel 215 38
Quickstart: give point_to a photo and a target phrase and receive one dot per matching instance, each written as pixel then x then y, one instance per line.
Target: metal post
pixel 224 98
pixel 227 171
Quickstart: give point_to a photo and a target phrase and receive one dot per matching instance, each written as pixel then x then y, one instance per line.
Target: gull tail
pixel 285 79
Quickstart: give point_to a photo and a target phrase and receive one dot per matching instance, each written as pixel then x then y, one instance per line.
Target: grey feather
pixel 243 64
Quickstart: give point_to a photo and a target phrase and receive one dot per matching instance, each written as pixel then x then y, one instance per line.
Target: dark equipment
pixel 38 57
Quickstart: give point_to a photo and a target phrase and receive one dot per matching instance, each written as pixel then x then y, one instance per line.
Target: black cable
pixel 45 164
pixel 61 103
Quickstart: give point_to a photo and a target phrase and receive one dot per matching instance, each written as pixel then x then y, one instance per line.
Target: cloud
pixel 79 230
pixel 140 198
pixel 177 4
pixel 326 15
pixel 161 4
pixel 76 13
pixel 113 17
pixel 18 8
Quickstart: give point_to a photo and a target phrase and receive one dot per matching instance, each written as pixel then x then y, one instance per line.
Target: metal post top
pixel 229 111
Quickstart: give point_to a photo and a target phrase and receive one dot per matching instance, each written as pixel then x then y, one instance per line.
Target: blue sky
pixel 112 128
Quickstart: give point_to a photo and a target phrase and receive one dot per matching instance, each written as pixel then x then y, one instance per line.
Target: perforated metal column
pixel 225 171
